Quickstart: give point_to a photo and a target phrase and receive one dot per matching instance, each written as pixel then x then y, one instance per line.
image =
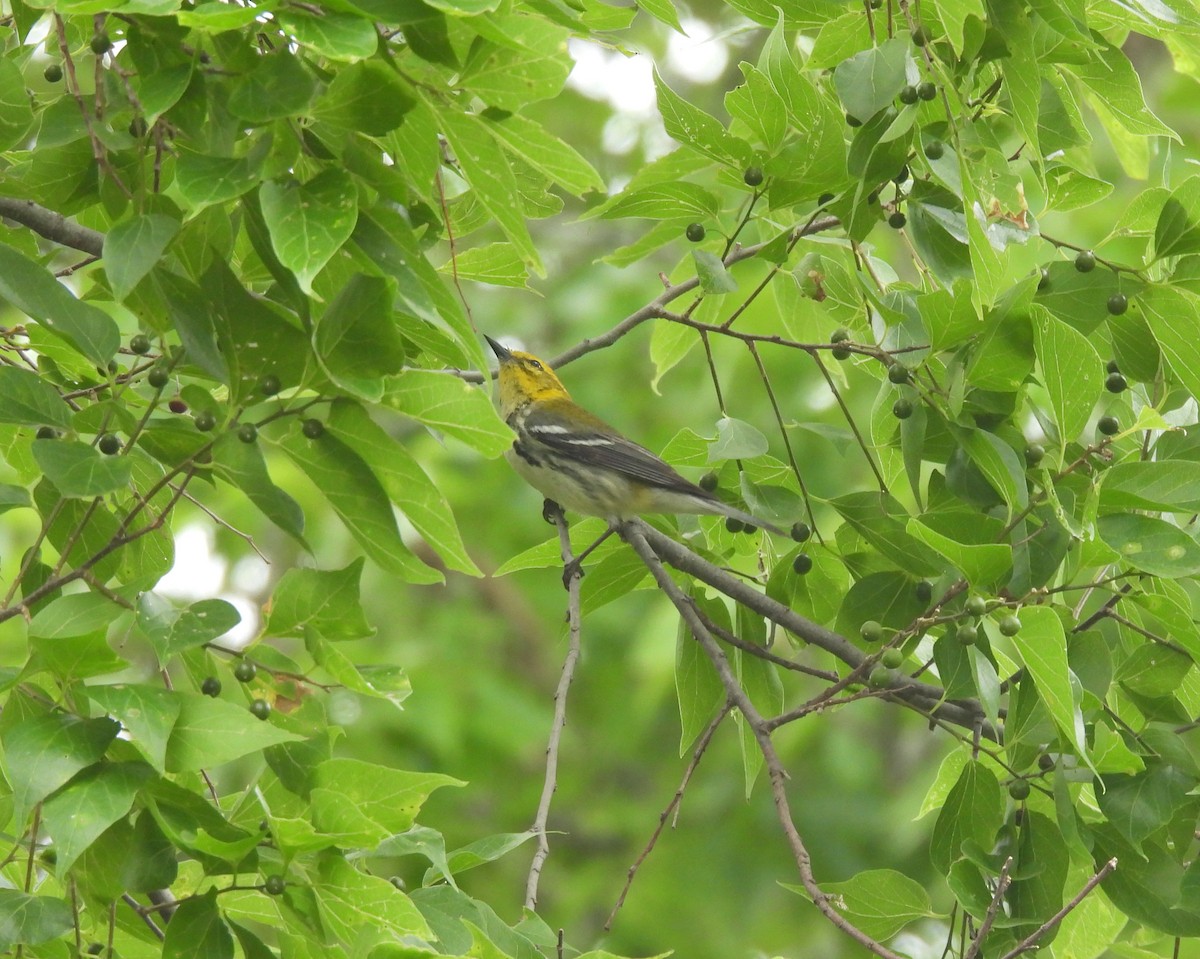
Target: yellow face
pixel 524 378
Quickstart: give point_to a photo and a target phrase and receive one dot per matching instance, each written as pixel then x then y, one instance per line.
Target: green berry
pixel 1111 367
pixel 841 352
pixel 734 525
pixel 801 532
pixel 1009 626
pixel 1043 278
pixel 920 36
pixel 708 482
pixel 871 631
pixel 967 634
pixel 274 885
pixel 1118 303
pixel 927 90
pixel 47 433
pixel 802 564
pixel 101 44
pixel 211 686
pixel 1045 762
pixel 53 73
pixel 205 421
pixel 852 120
pixel 873 197
pixel 244 671
pixel 247 433
pixel 840 335
pixel 824 199
pixel 881 678
pixel 899 373
pixel 158 377
pixel 924 591
pixel 109 444
pixel 140 344
pixel 177 405
pixel 897 220
pixel 902 409
pixel 908 93
pixel 313 429
pixel 976 605
pixel 1034 453
pixel 695 232
pixel 1018 789
pixel 1115 383
pixel 892 658
pixel 137 127
pixel 934 149
pixel 902 176
pixel 269 385
pixel 1109 425
pixel 1085 261
pixel 260 709
pixel 753 176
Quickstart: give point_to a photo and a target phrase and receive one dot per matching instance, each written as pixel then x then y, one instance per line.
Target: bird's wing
pixel 589 440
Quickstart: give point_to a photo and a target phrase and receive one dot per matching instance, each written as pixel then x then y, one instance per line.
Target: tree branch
pixel 1030 941
pixel 52 226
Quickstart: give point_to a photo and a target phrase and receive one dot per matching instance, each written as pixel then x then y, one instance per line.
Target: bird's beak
pixel 502 352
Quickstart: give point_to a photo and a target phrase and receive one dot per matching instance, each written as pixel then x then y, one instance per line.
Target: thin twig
pixel 993 910
pixel 144 916
pixel 633 532
pixel 672 807
pixel 560 716
pixel 1034 937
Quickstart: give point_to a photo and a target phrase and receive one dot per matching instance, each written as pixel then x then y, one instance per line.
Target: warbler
pixel 577 460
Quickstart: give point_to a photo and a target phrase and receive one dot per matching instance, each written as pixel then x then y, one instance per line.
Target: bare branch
pixel 993 910
pixel 52 226
pixel 560 713
pixel 1030 941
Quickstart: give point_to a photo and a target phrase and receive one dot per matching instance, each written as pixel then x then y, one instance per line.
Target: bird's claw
pixel 551 511
pixel 572 570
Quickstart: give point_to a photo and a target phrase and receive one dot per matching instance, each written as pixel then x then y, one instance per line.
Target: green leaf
pixel 1114 82
pixel 378 682
pixel 714 278
pixel 242 465
pixel 16 112
pixel 447 404
pixel 172 631
pixel 36 293
pixel 980 563
pixel 74 615
pixel 492 181
pixel 880 902
pixel 132 248
pixel 1149 885
pixel 498 264
pixel 44 752
pixel 1072 372
pixel 27 400
pixel 736 439
pixel 326 600
pixel 698 688
pixel 80 471
pixel 693 127
pixel 972 812
pixel 334 35
pixel 405 483
pixel 204 181
pixel 197 931
pixel 1168 310
pixel 364 803
pixel 546 153
pixel 1001 466
pixel 32 920
pixel 676 202
pixel 278 86
pixel 309 222
pixel 1042 646
pixel 368 97
pixel 1140 805
pixel 871 79
pixel 351 901
pixel 356 341
pixel 78 814
pixel 147 714
pixel 509 75
pixel 1169 485
pixel 354 492
pixel 1040 871
pixel 212 731
pixel 1178 228
pixel 758 106
pixel 192 315
pixel 1151 544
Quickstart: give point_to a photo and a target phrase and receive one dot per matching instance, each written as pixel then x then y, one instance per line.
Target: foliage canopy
pixel 245 242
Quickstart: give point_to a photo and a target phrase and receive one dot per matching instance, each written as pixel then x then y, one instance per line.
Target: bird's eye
pixel 535 364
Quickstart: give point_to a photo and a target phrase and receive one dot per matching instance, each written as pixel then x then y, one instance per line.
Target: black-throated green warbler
pixel 576 459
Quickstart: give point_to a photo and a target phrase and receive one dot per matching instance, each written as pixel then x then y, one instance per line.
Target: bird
pixel 579 461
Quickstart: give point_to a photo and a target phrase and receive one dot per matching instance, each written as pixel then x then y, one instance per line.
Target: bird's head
pixel 524 378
